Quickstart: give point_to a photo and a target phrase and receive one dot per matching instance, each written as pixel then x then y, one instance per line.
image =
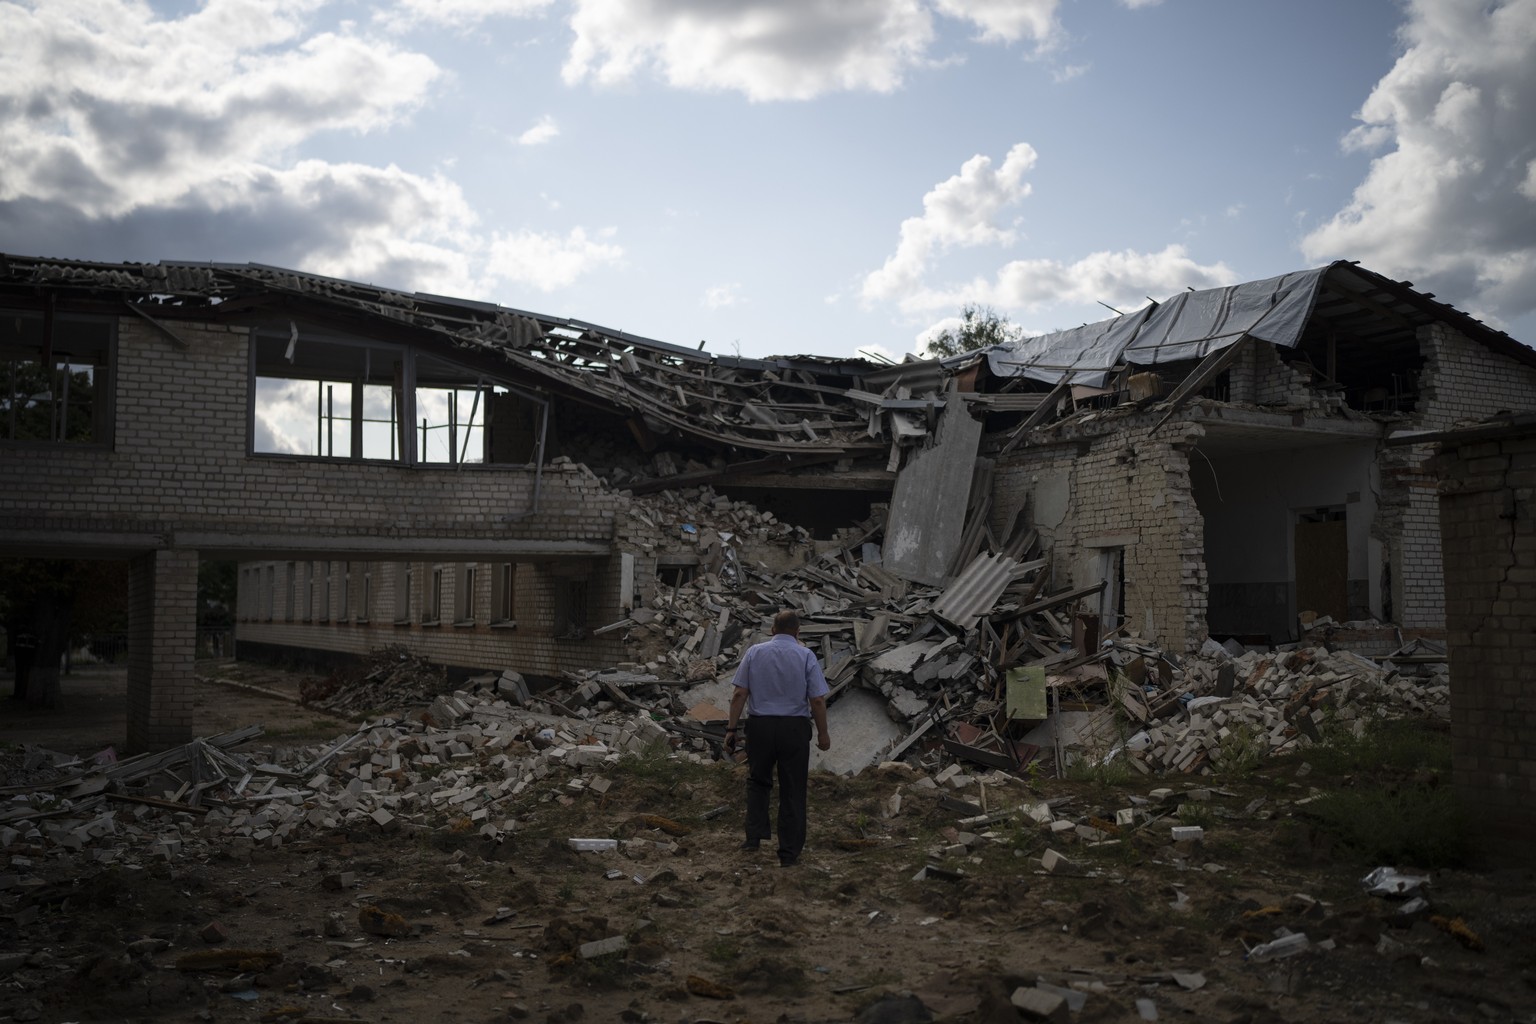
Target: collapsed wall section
pixel 1463 383
pixel 1117 507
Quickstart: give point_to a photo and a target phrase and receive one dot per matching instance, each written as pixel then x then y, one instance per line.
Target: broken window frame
pixel 503 612
pixel 403 573
pixel 439 407
pixel 432 595
pixel 365 595
pixel 65 343
pixel 464 593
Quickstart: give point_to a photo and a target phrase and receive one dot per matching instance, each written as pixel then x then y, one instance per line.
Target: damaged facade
pixel 498 489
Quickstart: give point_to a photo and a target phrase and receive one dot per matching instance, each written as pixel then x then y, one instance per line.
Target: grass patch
pixel 1418 825
pixel 1401 745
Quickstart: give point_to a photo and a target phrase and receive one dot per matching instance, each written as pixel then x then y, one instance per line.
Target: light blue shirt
pixel 780 677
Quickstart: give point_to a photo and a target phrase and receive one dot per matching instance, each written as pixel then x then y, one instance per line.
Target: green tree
pixel 980 327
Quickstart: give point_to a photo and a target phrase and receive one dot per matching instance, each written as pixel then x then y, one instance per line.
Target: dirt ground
pixel 491 931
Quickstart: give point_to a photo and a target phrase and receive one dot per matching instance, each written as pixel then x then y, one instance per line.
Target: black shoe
pixel 750 846
pixel 788 860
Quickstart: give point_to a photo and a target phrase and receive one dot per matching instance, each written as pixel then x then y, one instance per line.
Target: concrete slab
pixel 927 514
pixel 861 733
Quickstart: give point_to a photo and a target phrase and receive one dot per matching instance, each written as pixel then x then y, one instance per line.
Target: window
pixel 323 613
pixel 464 596
pixel 55 379
pixel 292 581
pixel 345 611
pixel 365 598
pixel 503 593
pixel 571 609
pixel 432 598
pixel 403 572
pixel 271 591
pixel 340 399
pixel 309 591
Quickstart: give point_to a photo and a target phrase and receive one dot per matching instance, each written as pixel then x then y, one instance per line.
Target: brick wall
pixel 1124 490
pixel 1488 529
pixel 1462 383
pixel 179 465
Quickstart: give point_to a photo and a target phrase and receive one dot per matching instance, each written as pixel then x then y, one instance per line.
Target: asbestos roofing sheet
pixel 976 590
pixel 1087 353
pixel 1192 325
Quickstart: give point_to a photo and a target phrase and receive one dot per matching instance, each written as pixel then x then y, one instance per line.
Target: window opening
pixel 464 600
pixel 55 379
pixel 432 598
pixel 365 600
pixel 403 572
pixel 503 590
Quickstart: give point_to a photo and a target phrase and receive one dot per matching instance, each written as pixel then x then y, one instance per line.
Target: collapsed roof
pixel 803 407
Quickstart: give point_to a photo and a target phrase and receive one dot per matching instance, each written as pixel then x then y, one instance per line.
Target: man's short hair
pixel 787 621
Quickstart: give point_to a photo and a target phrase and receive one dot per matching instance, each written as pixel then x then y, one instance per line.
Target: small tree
pixel 980 327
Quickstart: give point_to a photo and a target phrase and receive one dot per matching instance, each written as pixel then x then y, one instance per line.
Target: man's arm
pixel 819 716
pixel 738 704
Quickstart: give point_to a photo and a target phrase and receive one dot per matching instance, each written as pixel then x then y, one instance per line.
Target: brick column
pixel 162 648
pixel 1488 529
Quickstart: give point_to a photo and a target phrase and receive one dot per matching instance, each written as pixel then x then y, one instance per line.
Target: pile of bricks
pixel 1259 704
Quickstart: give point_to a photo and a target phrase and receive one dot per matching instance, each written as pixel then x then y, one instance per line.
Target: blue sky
pixel 804 176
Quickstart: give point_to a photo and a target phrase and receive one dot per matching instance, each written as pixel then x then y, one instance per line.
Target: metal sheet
pixel 1191 325
pixel 976 590
pixel 927 517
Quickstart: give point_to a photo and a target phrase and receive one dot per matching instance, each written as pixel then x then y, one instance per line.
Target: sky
pixel 825 177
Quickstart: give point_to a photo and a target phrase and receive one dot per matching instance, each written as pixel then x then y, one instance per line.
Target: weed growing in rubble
pixel 1103 774
pixel 1417 825
pixel 1404 745
pixel 1241 753
pixel 1392 808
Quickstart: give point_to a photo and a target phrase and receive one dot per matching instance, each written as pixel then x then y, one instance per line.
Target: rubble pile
pixel 390 677
pixel 1258 704
pixel 454 765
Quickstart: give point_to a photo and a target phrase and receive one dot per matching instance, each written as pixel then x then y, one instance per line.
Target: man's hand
pixel 730 743
pixel 823 741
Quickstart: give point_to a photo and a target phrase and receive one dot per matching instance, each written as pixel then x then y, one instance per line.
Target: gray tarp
pixel 1190 325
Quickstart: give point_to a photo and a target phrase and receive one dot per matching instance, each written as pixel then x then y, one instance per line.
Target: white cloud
pixel 1121 279
pixel 108 108
pixel 547 262
pixel 1006 20
pixel 1069 72
pixel 721 295
pixel 780 49
pixel 456 13
pixel 540 133
pixel 125 135
pixel 1136 5
pixel 959 211
pixel 1235 210
pixel 1450 206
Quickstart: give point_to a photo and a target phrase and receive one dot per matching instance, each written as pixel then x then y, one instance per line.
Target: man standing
pixel 779 683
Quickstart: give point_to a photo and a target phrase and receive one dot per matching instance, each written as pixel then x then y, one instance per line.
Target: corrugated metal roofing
pixel 976 590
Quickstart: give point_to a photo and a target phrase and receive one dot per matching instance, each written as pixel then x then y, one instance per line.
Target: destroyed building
pixel 495 488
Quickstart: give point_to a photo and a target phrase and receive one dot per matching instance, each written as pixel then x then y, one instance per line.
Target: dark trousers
pixel 779 744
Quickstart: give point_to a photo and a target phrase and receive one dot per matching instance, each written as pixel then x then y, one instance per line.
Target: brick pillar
pixel 162 648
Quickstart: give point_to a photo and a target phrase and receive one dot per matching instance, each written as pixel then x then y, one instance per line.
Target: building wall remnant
pixel 1462 383
pixel 1130 492
pixel 1488 533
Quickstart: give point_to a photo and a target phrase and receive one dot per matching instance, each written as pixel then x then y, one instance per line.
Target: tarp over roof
pixel 1191 325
